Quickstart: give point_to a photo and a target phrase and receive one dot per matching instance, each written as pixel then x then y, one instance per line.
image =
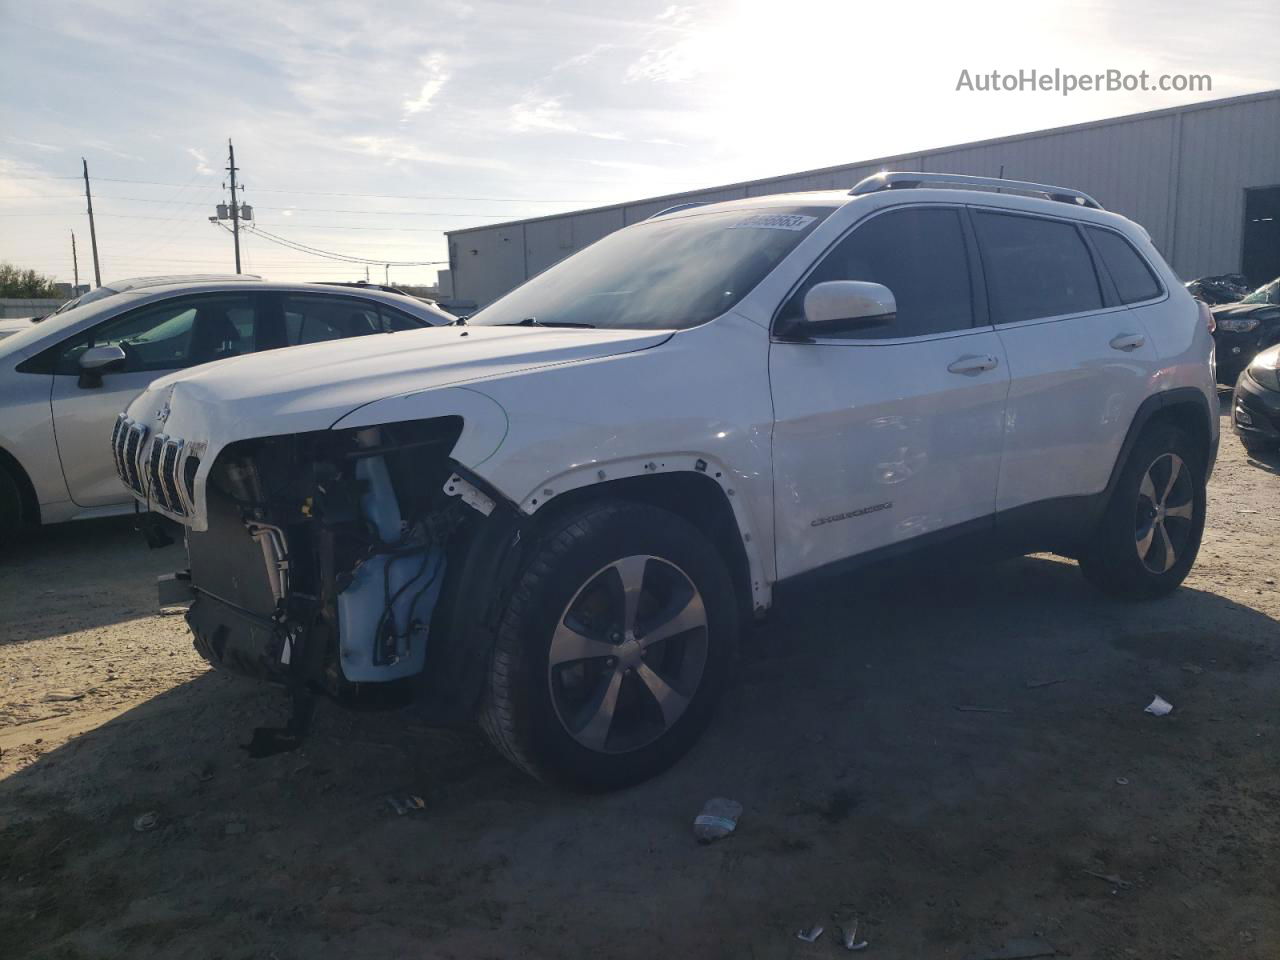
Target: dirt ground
pixel 1059 810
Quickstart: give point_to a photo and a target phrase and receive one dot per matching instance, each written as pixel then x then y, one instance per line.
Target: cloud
pixel 398 152
pixel 46 147
pixel 672 60
pixel 676 15
pixel 437 77
pixel 202 162
pixel 584 58
pixel 540 113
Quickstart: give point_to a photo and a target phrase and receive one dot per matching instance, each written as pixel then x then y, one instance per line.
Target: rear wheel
pixel 613 650
pixel 1150 533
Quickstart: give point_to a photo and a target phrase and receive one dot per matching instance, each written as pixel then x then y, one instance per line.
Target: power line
pixel 331 255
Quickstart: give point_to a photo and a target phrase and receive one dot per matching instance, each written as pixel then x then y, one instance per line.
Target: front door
pixel 888 433
pixel 157 339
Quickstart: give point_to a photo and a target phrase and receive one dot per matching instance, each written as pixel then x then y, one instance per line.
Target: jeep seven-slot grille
pixel 158 472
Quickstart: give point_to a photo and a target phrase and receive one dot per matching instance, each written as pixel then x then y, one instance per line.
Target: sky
pixel 368 130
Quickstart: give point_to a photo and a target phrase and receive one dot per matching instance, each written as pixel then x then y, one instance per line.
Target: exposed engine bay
pixel 325 555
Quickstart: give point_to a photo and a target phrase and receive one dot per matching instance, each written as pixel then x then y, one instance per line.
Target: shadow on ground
pixel 959 758
pixel 77 576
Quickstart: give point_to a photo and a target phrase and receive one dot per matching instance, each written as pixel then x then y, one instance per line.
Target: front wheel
pixel 613 650
pixel 1150 533
pixel 12 515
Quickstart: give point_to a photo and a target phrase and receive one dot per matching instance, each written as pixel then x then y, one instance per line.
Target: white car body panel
pixel 1071 401
pixel 877 442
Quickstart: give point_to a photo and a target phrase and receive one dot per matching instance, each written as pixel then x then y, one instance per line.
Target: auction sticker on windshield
pixel 776 221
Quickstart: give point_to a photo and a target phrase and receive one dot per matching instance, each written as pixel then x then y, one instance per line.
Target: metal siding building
pixel 1182 172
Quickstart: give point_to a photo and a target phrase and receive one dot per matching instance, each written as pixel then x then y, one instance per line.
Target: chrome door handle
pixel 1128 341
pixel 972 364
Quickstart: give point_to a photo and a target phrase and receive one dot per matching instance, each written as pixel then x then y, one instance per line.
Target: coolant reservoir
pixel 412 581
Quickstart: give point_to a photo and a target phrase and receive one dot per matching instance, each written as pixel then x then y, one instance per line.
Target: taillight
pixel 1207 316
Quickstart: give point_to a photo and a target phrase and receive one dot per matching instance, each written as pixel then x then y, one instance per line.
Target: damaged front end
pixel 325 555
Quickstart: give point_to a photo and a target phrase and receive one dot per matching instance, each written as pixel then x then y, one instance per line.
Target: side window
pixel 919 254
pixel 1133 278
pixel 312 318
pixel 1035 268
pixel 176 333
pixel 394 321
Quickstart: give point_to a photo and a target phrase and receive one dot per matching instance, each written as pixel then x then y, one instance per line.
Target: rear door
pixel 888 433
pixel 1081 362
pixel 157 338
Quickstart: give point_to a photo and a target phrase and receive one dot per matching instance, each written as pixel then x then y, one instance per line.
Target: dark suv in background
pixel 1245 329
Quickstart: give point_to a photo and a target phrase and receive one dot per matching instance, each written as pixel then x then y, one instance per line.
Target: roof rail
pixel 907 181
pixel 678 207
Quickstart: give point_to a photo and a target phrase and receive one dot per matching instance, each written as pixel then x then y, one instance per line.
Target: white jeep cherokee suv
pixel 560 513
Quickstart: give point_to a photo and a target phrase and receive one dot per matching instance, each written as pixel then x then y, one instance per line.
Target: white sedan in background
pixel 65 378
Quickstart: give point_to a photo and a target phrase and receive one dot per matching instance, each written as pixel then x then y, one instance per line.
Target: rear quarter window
pixel 1133 278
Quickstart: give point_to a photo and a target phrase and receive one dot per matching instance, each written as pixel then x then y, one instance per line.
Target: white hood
pixel 299 389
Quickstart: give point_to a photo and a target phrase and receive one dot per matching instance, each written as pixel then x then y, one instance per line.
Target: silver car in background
pixel 65 378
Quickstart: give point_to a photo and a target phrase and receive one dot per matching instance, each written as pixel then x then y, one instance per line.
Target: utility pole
pixel 235 207
pixel 93 235
pixel 75 267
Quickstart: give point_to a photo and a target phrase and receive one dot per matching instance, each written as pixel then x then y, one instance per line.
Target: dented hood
pixel 311 387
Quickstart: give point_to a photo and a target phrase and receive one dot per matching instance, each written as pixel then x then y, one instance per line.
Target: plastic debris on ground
pixel 718 819
pixel 849 938
pixel 406 803
pixel 1114 879
pixel 146 821
pixel 1159 707
pixel 809 934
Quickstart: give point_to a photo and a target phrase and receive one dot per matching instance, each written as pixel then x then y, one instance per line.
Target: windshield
pixel 679 271
pixel 85 299
pixel 1267 293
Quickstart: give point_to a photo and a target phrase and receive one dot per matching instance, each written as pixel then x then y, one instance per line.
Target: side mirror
pixel 848 305
pixel 96 361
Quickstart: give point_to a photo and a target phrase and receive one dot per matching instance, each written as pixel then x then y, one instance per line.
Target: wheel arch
pixel 702 501
pixel 1184 407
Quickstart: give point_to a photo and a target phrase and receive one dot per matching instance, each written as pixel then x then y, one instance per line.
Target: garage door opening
pixel 1261 260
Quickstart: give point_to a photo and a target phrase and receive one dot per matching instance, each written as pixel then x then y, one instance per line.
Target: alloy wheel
pixel 1165 513
pixel 628 654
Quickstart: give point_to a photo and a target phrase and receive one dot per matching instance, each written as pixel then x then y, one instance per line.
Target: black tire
pixel 1114 561
pixel 572 564
pixel 1256 447
pixel 12 507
